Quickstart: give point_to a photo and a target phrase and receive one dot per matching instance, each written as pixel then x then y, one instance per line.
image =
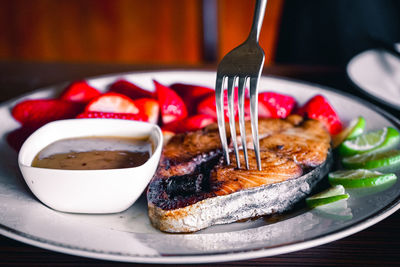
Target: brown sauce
pixel 94 153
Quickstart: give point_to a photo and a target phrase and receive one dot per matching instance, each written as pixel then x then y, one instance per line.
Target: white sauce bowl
pixel 88 191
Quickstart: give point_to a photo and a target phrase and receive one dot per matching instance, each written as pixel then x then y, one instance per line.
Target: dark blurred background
pixel 191 32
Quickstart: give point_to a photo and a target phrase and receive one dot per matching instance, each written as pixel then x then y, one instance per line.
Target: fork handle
pixel 258 18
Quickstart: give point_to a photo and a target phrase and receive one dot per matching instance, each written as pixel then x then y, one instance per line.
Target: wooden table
pixel 378 245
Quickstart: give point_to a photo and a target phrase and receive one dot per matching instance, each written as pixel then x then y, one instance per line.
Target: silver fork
pixel 243 63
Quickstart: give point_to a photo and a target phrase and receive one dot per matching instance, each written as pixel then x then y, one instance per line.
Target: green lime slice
pixel 359 192
pixel 356 127
pixel 381 161
pixel 360 178
pixel 330 195
pixel 380 140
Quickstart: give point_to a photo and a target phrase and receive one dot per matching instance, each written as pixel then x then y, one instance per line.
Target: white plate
pixel 377 73
pixel 128 236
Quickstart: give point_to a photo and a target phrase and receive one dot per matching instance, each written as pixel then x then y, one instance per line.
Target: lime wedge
pixel 360 178
pixel 380 140
pixel 381 161
pixel 335 211
pixel 356 127
pixel 330 195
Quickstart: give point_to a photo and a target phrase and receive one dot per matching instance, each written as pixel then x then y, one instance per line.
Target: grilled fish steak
pixel 193 188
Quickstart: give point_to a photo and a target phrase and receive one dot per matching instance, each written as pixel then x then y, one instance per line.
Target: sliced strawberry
pixel 263 111
pixel 197 122
pixel 150 107
pixel 79 91
pixel 208 107
pixel 111 115
pixel 113 102
pixel 194 91
pixel 38 112
pixel 279 105
pixel 172 106
pixel 193 123
pixel 17 137
pixel 319 108
pixel 131 90
pixel 192 95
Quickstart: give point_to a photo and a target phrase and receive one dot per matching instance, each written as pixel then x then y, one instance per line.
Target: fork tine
pixel 242 81
pixel 219 101
pixel 231 89
pixel 254 118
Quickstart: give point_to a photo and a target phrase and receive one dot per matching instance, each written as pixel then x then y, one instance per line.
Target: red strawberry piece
pixel 111 115
pixel 194 91
pixel 193 123
pixel 319 108
pixel 150 107
pixel 263 111
pixel 172 106
pixel 192 95
pixel 17 137
pixel 38 112
pixel 79 91
pixel 208 107
pixel 278 105
pixel 131 90
pixel 113 102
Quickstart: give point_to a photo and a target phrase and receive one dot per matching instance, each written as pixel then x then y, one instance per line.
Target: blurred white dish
pixel 88 191
pixel 377 73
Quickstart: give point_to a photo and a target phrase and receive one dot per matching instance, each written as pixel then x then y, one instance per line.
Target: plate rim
pixel 381 214
pixel 362 90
